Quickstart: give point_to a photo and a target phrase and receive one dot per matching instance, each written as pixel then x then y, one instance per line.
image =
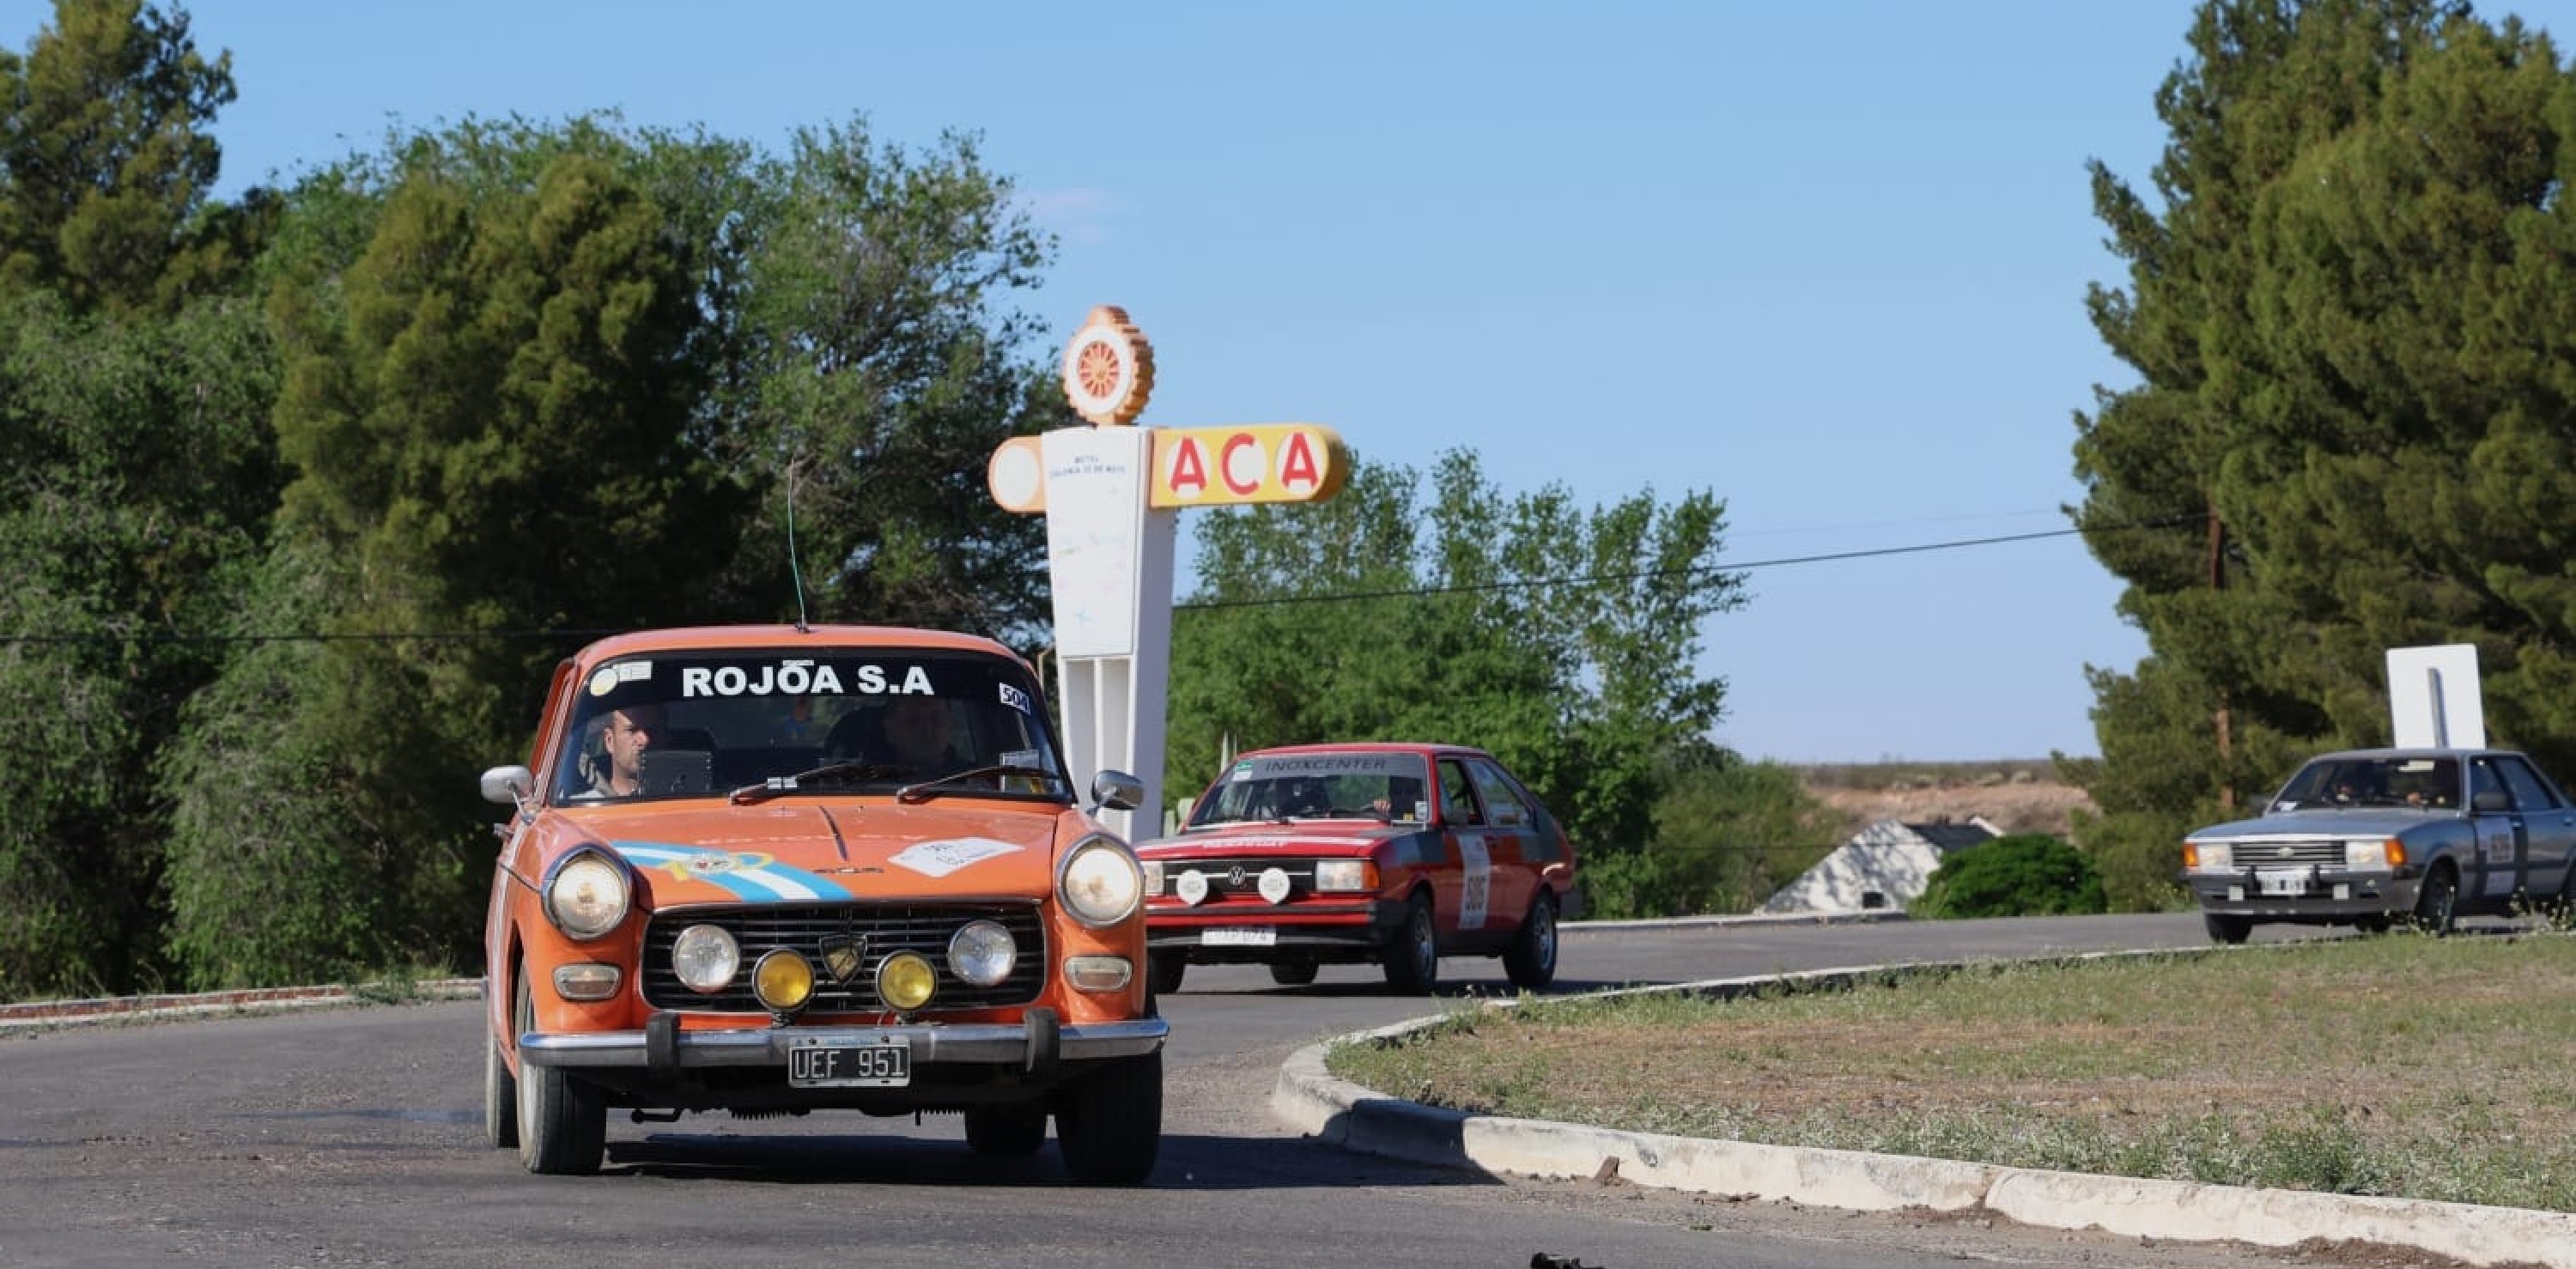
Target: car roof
pixel 788 637
pixel 1367 746
pixel 2416 751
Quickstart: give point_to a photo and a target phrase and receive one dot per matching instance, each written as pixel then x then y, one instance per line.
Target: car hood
pixel 804 852
pixel 1319 838
pixel 2325 822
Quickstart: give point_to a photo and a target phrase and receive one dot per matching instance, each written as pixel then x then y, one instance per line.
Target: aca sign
pixel 1269 462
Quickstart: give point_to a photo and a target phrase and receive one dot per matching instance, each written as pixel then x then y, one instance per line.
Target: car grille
pixel 1243 876
pixel 2279 854
pixel 888 928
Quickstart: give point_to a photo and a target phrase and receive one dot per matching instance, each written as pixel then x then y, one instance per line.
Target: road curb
pixel 1311 1100
pixel 59 1013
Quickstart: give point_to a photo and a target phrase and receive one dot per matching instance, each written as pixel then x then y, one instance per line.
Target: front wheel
pixel 1292 973
pixel 500 1098
pixel 563 1121
pixel 2438 901
pixel 2226 928
pixel 1109 1125
pixel 1164 971
pixel 1413 960
pixel 1531 959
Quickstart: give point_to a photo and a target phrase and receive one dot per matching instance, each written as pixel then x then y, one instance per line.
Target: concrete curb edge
pixel 1309 1099
pixel 35 1014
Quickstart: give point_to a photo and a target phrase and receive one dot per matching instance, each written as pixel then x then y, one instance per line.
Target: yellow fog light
pixel 905 980
pixel 783 981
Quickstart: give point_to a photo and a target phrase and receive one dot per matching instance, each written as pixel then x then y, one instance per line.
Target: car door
pixel 2548 827
pixel 1463 893
pixel 2497 874
pixel 1510 843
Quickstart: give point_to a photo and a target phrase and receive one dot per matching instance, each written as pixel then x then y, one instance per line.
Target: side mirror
pixel 508 785
pixel 1117 791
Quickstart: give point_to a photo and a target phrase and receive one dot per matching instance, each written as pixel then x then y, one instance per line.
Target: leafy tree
pixel 2023 874
pixel 1561 640
pixel 141 493
pixel 1727 833
pixel 872 366
pixel 106 164
pixel 562 378
pixel 2352 324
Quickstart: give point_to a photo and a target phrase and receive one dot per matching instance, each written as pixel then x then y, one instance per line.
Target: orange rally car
pixel 779 869
pixel 1401 854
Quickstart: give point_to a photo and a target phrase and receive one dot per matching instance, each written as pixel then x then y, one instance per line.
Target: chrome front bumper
pixel 1035 1045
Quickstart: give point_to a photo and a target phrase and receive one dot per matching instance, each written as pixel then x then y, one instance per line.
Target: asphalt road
pixel 352 1136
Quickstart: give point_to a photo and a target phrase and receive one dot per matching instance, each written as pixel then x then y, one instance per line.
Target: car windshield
pixel 713 724
pixel 2348 780
pixel 1285 787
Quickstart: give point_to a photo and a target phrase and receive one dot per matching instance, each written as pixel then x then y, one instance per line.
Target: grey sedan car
pixel 2367 837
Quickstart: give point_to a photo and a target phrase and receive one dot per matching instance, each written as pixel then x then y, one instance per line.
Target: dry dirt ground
pixel 2027 806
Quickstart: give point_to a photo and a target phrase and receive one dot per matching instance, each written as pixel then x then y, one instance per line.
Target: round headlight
pixel 1275 884
pixel 982 952
pixel 705 958
pixel 587 896
pixel 783 981
pixel 1100 884
pixel 905 980
pixel 1192 887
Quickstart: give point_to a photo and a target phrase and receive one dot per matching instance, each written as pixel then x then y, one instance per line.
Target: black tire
pixel 563 1120
pixel 1109 1123
pixel 1292 973
pixel 500 1098
pixel 1413 959
pixel 1164 972
pixel 1006 1129
pixel 1531 959
pixel 2437 901
pixel 2226 928
pixel 2372 925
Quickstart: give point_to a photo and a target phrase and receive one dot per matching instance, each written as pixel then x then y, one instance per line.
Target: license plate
pixel 2286 881
pixel 1239 938
pixel 824 1061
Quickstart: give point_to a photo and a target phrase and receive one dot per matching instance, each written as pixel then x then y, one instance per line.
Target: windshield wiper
pixel 775 786
pixel 926 789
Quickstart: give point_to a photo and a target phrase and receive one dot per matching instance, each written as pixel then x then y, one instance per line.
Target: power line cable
pixel 568 634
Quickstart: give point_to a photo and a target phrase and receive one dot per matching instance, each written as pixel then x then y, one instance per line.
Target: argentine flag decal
pixel 747 873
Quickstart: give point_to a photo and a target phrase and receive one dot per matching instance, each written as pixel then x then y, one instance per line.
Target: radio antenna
pixel 795 566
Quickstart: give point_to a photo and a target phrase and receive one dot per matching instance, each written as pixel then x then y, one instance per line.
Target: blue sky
pixel 1825 262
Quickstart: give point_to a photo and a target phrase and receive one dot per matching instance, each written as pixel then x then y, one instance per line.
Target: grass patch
pixel 2402 1065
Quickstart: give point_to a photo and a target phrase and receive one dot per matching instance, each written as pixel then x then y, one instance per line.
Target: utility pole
pixel 2226 724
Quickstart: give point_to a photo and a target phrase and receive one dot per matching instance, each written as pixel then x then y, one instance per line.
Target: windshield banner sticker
pixel 1015 698
pixel 749 874
pixel 938 859
pixel 801 678
pixel 1332 764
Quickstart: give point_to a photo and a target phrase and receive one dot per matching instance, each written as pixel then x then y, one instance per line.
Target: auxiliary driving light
pixel 783 981
pixel 705 958
pixel 982 953
pixel 905 980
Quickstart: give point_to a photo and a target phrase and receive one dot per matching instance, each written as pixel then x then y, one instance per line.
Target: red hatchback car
pixel 1395 853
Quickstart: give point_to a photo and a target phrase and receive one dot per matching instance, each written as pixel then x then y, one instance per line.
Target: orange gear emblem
pixel 1108 368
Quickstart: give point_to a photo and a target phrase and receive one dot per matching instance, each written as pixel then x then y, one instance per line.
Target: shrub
pixel 2025 874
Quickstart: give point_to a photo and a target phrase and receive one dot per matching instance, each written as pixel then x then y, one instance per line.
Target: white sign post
pixel 1109 559
pixel 2433 698
pixel 1112 496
